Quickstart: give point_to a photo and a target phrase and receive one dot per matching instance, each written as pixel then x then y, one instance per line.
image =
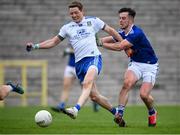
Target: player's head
pixel 126 17
pixel 76 11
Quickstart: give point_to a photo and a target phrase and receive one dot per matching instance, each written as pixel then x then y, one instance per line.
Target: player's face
pixel 124 20
pixel 76 14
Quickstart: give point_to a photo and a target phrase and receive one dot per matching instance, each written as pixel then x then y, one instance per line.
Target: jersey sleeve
pixel 133 37
pixel 62 32
pixel 99 24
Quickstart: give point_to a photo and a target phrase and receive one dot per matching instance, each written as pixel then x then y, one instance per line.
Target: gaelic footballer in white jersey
pixel 82 36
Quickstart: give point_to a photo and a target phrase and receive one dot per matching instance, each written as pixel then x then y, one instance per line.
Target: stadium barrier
pixel 24 65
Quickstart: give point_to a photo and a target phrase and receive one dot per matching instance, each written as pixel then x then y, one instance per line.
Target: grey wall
pixel 22 21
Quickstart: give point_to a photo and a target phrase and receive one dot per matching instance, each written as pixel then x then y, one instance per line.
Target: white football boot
pixel 72 112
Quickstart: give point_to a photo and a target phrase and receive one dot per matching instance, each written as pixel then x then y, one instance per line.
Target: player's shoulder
pixel 68 24
pixel 90 17
pixel 137 29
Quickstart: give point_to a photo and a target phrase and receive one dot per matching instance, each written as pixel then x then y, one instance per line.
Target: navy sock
pixel 151 111
pixel 61 105
pixel 78 107
pixel 113 111
pixel 121 109
pixel 13 87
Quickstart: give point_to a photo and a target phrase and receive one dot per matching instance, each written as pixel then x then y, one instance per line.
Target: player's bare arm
pixel 118 46
pixel 50 43
pixel 108 39
pixel 45 44
pixel 111 31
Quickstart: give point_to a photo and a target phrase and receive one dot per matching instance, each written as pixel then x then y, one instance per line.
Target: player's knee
pixel 127 84
pixel 144 96
pixel 94 97
pixel 87 84
pixel 66 84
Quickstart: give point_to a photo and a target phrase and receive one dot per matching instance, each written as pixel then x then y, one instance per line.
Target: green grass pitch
pixel 20 120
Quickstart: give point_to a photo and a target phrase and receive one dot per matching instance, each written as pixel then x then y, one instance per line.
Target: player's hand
pixel 98 41
pixel 129 52
pixel 29 46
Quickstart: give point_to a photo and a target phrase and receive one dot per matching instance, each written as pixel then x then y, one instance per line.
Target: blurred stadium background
pixel 22 21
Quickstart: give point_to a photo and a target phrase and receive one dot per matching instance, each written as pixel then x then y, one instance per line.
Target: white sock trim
pixel 75 109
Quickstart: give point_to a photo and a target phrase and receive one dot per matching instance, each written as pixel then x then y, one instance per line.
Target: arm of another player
pixel 45 44
pixel 118 46
pixel 111 31
pixel 108 42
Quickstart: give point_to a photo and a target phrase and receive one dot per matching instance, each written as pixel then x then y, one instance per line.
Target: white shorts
pixel 69 71
pixel 146 72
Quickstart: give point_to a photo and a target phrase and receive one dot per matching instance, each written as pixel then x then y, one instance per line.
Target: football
pixel 43 118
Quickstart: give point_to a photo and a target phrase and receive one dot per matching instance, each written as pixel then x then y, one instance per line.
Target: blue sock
pixel 113 111
pixel 151 111
pixel 121 109
pixel 61 105
pixel 78 107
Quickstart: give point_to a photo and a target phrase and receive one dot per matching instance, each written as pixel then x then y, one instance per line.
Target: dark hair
pixel 76 4
pixel 130 11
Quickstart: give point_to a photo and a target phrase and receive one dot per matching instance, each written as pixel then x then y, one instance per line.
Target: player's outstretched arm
pixel 43 45
pixel 111 31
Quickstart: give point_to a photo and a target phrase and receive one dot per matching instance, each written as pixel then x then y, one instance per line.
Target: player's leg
pixel 148 100
pixel 145 90
pixel 149 77
pixel 101 100
pixel 87 85
pixel 6 89
pixel 130 79
pixel 86 89
pixel 69 77
pixel 87 70
pixel 67 84
pixel 16 87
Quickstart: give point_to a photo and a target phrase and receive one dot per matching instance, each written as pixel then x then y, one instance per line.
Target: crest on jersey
pixel 89 23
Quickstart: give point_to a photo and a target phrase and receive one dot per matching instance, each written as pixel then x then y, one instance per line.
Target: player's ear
pixel 83 13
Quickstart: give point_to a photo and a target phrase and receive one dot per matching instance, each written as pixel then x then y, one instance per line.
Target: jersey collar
pixel 130 30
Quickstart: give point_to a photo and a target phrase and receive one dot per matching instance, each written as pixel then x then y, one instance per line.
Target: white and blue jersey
pixel 143 51
pixel 81 36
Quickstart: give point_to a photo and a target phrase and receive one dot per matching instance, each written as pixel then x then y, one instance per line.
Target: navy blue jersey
pixel 143 51
pixel 71 61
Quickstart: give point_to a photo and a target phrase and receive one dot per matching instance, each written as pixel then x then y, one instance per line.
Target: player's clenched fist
pixel 30 46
